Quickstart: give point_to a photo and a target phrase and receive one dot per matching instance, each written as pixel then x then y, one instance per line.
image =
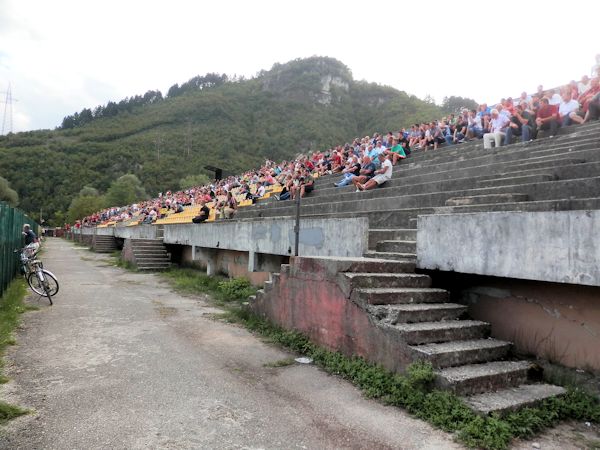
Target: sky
pixel 62 56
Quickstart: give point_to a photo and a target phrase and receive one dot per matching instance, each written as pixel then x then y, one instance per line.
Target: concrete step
pixel 396 246
pixel 391 255
pixel 157 252
pixel 515 181
pixel 512 399
pixel 486 199
pixel 152 260
pixel 153 266
pixel 417 312
pixel 341 264
pixel 459 353
pixel 477 378
pixel 397 296
pixel 387 280
pixel 391 234
pixel 442 331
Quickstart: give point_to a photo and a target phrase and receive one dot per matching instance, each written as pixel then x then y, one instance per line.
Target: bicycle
pixel 41 281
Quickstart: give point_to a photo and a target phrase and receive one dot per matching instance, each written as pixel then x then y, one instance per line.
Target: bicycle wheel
pixel 48 287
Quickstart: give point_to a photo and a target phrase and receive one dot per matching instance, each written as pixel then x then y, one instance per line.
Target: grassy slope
pixel 235 126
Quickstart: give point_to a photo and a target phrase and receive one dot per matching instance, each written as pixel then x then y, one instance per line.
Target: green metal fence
pixel 11 226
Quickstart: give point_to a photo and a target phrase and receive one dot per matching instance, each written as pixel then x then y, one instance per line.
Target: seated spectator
pixel 555 97
pixel 540 92
pixel 583 86
pixel 203 214
pixel 568 108
pixel 414 136
pixel 227 207
pixel 435 136
pixel 547 117
pixel 366 173
pixel 304 184
pixel 460 130
pixel 177 208
pixel 381 175
pixel 589 100
pixel 352 170
pixel 498 126
pixel 474 127
pixel 522 123
pixel 396 152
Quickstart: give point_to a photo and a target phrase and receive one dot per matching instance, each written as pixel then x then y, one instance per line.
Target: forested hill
pixel 234 124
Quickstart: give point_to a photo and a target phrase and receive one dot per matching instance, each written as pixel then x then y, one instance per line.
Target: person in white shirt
pixel 583 85
pixel 568 109
pixel 381 176
pixel 555 99
pixel 498 126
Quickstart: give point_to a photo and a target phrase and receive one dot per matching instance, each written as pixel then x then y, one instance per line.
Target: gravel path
pixel 122 362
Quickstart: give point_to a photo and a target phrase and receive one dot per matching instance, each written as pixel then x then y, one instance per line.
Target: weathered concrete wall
pixel 554 321
pixel 307 297
pixel 232 263
pixel 318 237
pixel 556 246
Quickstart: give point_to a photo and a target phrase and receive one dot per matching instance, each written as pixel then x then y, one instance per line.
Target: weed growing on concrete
pixel 413 390
pixel 11 307
pixel 236 289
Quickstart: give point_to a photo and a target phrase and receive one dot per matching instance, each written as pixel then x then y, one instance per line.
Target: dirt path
pixel 122 362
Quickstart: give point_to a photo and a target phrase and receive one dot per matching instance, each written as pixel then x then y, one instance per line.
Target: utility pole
pixel 7 118
pixel 157 145
pixel 188 139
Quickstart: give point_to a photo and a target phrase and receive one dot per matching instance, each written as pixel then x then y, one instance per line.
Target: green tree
pixel 89 191
pixel 7 194
pixel 82 206
pixel 125 190
pixel 457 104
pixel 193 180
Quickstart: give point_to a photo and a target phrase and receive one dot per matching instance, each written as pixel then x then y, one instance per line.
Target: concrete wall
pixel 554 321
pixel 318 237
pixel 137 232
pixel 233 263
pixel 307 297
pixel 556 246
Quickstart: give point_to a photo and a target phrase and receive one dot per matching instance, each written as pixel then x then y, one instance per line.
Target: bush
pixel 236 289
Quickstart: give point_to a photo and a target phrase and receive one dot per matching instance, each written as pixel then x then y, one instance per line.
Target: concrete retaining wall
pixel 556 246
pixel 318 237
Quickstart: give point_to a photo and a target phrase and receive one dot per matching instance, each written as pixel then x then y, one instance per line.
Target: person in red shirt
pixel 547 117
pixel 587 99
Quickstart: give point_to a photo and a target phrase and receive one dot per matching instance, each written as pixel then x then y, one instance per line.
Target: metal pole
pixel 297 226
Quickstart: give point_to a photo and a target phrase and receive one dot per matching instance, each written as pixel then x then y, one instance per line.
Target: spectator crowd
pixel 368 162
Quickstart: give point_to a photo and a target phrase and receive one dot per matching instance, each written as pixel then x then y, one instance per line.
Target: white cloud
pixel 64 55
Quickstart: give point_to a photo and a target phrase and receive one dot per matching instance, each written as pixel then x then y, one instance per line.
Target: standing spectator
pixel 547 117
pixel 498 126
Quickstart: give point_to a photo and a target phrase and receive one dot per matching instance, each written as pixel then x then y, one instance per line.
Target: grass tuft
pixel 11 307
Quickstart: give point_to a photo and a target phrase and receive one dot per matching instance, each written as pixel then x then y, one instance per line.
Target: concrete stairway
pixel 420 320
pixel 150 254
pixel 104 244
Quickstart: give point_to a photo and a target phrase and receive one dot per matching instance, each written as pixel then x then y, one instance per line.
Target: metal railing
pixel 11 227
